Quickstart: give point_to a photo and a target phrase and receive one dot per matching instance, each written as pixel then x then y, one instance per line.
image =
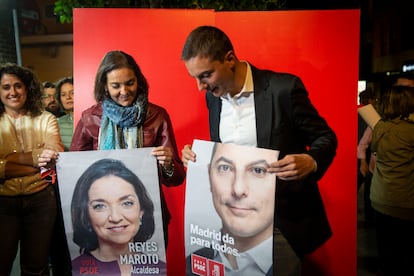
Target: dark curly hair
pixel 83 234
pixel 33 102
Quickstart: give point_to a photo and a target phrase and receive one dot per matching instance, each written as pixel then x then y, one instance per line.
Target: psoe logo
pixel 215 268
pixel 198 265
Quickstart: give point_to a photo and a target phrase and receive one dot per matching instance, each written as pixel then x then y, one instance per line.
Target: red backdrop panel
pixel 322 48
pixel 319 46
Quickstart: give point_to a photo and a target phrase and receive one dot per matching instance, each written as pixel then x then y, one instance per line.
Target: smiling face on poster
pixel 235 195
pixel 113 219
pixel 114 210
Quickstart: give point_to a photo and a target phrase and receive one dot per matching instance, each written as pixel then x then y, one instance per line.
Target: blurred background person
pixel 30 142
pixel 405 79
pixel 60 256
pixel 123 118
pixel 111 208
pixel 366 96
pixel 49 99
pixel 392 188
pixel 366 160
pixel 65 98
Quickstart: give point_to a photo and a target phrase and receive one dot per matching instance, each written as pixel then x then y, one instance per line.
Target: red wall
pixel 319 46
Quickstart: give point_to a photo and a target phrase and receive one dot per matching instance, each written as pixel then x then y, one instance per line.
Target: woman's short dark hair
pixel 83 234
pixel 398 102
pixel 59 85
pixel 33 102
pixel 116 60
pixel 207 42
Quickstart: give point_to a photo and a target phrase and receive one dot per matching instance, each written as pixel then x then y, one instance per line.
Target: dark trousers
pixel 285 261
pixel 30 220
pixel 368 210
pixel 366 181
pixel 395 243
pixel 60 259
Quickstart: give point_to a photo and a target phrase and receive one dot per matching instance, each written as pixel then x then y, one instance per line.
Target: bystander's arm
pixel 362 148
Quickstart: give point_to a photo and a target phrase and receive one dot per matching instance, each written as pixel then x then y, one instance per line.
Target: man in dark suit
pixel 249 106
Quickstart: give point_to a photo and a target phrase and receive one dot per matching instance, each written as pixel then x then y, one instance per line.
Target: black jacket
pixel 287 121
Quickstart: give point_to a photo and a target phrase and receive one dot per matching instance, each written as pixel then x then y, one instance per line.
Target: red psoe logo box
pixel 198 265
pixel 215 268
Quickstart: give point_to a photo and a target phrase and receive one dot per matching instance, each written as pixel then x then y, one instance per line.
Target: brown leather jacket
pixel 157 130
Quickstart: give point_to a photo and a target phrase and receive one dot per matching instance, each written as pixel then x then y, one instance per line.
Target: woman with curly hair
pixel 29 146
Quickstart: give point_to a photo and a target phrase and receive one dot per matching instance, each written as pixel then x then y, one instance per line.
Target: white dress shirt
pixel 237 117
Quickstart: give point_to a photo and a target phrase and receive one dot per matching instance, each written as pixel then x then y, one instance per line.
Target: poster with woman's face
pixel 229 211
pixel 112 212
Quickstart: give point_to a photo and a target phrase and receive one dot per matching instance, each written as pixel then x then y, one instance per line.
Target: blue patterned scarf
pixel 121 126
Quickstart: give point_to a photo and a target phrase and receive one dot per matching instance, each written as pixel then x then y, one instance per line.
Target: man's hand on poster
pixel 293 166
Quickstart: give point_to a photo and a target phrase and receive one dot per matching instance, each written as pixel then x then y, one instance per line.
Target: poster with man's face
pixel 112 212
pixel 229 210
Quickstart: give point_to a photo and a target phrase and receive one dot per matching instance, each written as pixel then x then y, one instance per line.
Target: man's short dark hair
pixel 207 42
pixel 48 84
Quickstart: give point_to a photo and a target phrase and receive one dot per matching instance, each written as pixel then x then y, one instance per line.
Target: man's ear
pixel 229 56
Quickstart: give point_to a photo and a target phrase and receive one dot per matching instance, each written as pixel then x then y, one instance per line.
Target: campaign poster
pixel 229 210
pixel 112 212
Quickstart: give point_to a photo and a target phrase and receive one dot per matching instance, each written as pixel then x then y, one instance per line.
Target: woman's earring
pixel 140 220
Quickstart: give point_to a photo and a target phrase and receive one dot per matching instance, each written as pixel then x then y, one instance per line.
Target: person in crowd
pixel 123 118
pixel 60 256
pixel 65 98
pixel 366 96
pixel 111 209
pixel 392 187
pixel 405 79
pixel 242 192
pixel 30 142
pixel 49 99
pixel 366 160
pixel 277 114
